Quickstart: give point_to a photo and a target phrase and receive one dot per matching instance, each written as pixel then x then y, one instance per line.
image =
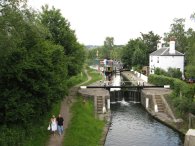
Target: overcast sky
pixel 94 20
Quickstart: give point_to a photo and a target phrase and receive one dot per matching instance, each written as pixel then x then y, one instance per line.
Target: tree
pixel 33 70
pixel 134 47
pixel 116 53
pixel 108 47
pixel 109 42
pixel 150 40
pixel 177 31
pixel 190 53
pixel 61 34
pixel 138 58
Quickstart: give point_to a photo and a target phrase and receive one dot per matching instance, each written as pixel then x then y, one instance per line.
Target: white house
pixel 166 57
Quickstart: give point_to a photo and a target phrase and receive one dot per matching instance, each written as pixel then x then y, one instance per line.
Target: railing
pixel 140 87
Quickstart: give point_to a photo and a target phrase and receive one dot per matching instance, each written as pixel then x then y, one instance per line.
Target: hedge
pixel 183 93
pixel 161 80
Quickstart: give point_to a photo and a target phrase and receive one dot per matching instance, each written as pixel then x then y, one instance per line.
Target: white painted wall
pixel 166 61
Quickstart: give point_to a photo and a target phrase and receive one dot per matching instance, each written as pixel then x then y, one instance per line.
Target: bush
pixel 159 71
pixel 190 71
pixel 11 136
pixel 175 73
pixel 172 72
pixel 161 80
pixel 183 93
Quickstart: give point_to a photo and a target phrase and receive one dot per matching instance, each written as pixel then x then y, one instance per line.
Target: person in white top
pixel 53 125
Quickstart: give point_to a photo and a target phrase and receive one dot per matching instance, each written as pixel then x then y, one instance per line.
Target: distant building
pixel 166 57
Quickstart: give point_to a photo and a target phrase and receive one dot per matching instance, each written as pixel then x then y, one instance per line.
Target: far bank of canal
pixel 132 125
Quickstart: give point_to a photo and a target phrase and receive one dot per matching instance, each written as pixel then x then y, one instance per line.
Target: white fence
pixel 143 77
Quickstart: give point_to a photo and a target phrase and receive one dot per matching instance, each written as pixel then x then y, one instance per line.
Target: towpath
pixel 66 114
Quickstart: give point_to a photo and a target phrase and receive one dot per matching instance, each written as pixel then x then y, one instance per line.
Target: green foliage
pixel 178 31
pixel 84 128
pixel 95 75
pixel 172 72
pixel 108 46
pixel 150 40
pixel 134 53
pixel 61 34
pixel 183 93
pixel 190 71
pixel 34 66
pixel 190 67
pixel 77 79
pixel 161 80
pixel 159 71
pixel 11 136
pixel 137 51
pixel 175 73
pixel 31 135
pixel 116 53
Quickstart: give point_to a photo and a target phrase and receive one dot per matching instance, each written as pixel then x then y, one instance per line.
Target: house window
pixel 151 59
pixel 157 59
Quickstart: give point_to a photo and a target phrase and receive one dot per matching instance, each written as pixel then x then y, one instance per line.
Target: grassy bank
pixel 84 128
pixel 95 76
pixel 77 79
pixel 184 125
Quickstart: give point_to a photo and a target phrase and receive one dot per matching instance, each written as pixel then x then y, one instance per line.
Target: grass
pixel 184 127
pixel 84 128
pixel 95 75
pixel 77 79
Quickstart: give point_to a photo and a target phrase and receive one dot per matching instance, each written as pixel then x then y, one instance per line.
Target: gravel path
pixel 56 140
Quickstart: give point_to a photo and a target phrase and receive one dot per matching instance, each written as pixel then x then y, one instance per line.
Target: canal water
pixel 132 126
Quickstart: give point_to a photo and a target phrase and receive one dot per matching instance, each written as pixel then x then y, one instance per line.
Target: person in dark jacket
pixel 60 121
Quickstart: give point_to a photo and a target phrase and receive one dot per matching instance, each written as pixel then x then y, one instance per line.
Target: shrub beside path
pixel 65 112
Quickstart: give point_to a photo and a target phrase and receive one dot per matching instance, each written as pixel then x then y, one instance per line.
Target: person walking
pixel 53 125
pixel 60 121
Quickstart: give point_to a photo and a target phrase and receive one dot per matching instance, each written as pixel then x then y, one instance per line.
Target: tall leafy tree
pixel 108 47
pixel 116 53
pixel 178 31
pixel 190 53
pixel 133 52
pixel 32 70
pixel 62 34
pixel 150 40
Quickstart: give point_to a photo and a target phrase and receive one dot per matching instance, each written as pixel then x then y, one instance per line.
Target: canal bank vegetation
pixel 39 55
pixel 181 100
pixel 75 80
pixel 84 128
pixel 95 76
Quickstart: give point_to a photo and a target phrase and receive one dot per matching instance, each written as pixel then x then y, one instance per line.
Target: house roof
pixel 165 52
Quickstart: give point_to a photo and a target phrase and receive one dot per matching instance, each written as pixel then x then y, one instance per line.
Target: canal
pixel 132 126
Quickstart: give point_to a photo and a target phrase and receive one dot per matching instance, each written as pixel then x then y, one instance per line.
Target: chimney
pixel 159 46
pixel 172 45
